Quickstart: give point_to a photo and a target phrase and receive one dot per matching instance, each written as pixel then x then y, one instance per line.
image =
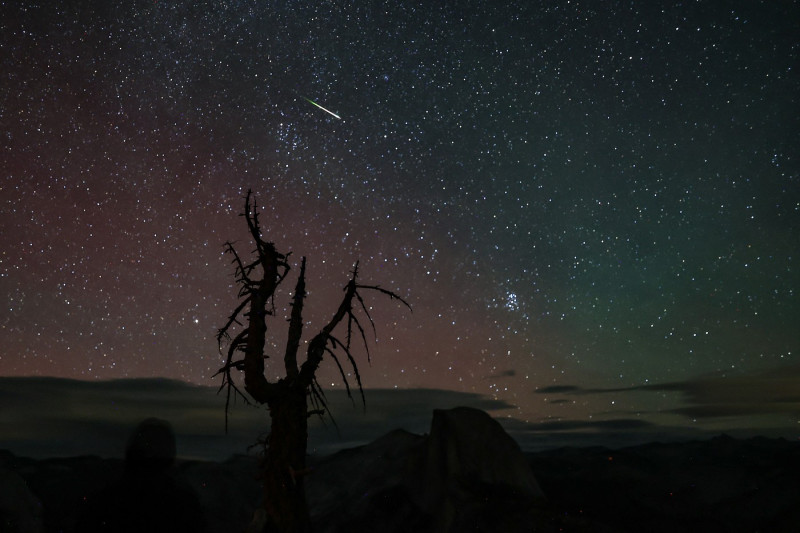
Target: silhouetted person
pixel 147 499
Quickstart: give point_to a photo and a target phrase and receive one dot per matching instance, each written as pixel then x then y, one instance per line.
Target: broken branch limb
pixel 295 324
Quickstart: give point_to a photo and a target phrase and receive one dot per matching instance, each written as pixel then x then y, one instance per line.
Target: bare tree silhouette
pixel 296 396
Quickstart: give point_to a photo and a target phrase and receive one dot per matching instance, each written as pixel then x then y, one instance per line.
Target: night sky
pixel 592 207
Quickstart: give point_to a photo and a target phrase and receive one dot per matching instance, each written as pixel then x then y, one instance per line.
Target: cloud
pixel 619 424
pixel 559 389
pixel 610 433
pixel 775 391
pixel 54 417
pixel 510 373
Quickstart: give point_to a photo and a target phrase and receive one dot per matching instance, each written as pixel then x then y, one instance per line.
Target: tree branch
pixel 334 343
pixel 317 346
pixel 295 324
pixel 223 331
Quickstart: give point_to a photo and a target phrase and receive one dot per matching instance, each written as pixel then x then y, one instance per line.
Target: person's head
pixel 151 446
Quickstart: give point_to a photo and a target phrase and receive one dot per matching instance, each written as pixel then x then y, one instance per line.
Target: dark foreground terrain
pixel 466 475
pixel 723 485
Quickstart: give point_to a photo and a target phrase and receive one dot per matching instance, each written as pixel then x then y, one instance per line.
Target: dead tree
pixel 296 396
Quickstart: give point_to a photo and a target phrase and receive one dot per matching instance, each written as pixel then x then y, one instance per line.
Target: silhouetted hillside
pixel 722 484
pixel 453 480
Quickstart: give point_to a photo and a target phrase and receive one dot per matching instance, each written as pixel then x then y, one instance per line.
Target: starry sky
pixel 592 207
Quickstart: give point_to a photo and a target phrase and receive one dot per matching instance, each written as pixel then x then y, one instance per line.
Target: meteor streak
pixel 312 102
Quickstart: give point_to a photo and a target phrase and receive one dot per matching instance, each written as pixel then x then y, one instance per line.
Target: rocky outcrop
pixel 20 510
pixel 357 475
pixel 468 474
pixel 474 475
pixel 467 447
pixel 366 488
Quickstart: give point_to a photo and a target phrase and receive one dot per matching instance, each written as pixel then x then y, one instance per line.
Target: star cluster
pixel 566 192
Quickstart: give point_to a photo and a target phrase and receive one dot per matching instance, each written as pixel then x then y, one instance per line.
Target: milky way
pixel 571 195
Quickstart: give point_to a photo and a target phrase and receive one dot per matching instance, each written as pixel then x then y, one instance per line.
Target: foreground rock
pixel 20 510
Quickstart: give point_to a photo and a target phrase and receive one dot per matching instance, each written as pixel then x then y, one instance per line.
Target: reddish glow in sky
pixel 571 197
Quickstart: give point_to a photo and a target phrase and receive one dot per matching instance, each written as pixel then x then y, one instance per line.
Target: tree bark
pixel 284 462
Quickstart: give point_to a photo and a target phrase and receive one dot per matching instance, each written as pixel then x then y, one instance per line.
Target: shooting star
pixel 312 102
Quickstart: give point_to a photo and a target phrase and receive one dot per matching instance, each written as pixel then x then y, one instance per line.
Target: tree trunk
pixel 284 464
